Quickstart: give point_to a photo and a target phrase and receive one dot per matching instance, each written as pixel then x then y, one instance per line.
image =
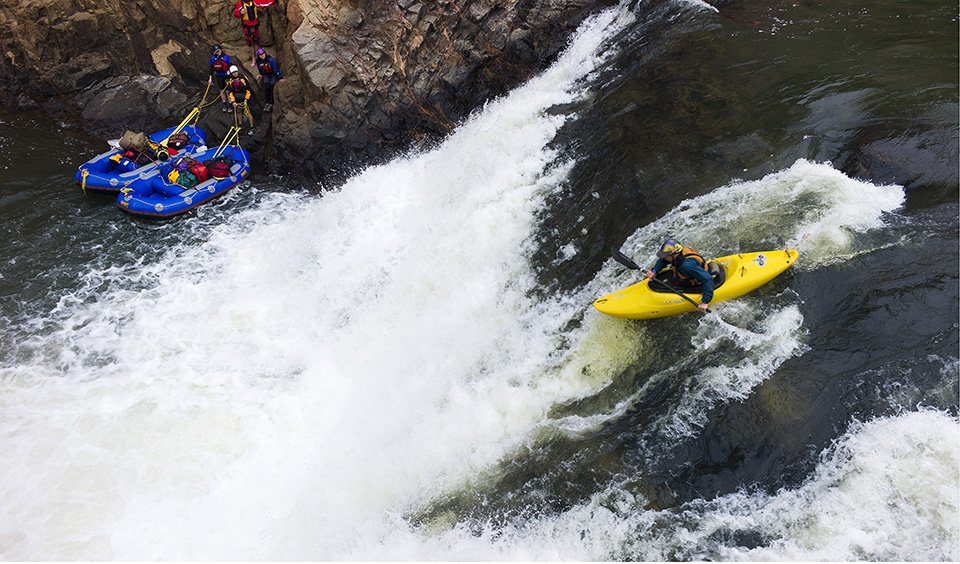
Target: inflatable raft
pixel 161 198
pixel 733 276
pixel 101 174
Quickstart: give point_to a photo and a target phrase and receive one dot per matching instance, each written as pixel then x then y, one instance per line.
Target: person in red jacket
pixel 249 16
pixel 219 69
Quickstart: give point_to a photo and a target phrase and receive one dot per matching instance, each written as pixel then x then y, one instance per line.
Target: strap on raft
pixel 194 113
pixel 233 135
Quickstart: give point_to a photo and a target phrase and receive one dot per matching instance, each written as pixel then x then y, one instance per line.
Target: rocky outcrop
pixel 363 78
pixel 115 64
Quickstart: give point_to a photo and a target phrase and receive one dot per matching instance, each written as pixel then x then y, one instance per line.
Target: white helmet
pixel 233 69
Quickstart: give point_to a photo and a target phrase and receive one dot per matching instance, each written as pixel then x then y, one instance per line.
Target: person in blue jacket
pixel 269 75
pixel 689 268
pixel 220 69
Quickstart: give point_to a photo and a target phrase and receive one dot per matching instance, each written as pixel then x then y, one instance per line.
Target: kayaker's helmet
pixel 668 248
pixel 216 47
pixel 233 69
pixel 260 51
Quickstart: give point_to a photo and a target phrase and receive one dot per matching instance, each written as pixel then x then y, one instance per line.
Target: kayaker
pixel 689 268
pixel 219 69
pixel 239 93
pixel 269 75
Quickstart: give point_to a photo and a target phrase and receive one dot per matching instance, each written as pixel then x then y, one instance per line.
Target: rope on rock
pixel 194 113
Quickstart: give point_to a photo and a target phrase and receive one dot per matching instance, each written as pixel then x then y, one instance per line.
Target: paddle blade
pixel 623 259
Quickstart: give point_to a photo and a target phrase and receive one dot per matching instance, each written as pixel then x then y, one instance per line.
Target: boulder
pixel 132 102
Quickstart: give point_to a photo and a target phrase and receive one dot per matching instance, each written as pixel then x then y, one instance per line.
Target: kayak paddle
pixel 625 261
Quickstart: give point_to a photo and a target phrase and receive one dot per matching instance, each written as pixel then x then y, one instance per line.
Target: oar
pixel 625 261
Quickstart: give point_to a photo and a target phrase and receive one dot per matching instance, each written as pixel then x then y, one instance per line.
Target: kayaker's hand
pixel 650 274
pixel 703 307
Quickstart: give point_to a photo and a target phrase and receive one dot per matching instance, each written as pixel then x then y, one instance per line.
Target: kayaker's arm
pixel 660 264
pixel 692 269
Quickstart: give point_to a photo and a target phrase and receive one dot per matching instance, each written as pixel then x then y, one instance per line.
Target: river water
pixel 407 366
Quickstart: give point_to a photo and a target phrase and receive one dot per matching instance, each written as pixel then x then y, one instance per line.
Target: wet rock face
pixel 113 64
pixel 376 74
pixel 120 101
pixel 362 78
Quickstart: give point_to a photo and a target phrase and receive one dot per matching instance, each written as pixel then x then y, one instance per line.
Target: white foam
pixel 809 206
pixel 702 5
pixel 887 490
pixel 315 369
pixel 753 357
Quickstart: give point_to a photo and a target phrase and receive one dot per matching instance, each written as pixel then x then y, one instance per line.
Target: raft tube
pixel 99 174
pixel 153 200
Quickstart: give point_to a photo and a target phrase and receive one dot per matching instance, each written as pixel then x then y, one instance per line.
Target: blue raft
pixel 160 198
pixel 100 174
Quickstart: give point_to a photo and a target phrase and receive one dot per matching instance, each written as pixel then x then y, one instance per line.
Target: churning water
pixel 382 372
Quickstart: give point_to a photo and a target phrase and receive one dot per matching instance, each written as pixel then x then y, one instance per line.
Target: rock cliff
pixel 362 78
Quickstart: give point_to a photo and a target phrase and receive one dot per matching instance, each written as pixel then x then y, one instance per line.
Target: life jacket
pixel 264 66
pixel 251 17
pixel 684 254
pixel 220 65
pixel 238 86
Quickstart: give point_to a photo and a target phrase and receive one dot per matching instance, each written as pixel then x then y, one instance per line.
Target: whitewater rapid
pixel 318 369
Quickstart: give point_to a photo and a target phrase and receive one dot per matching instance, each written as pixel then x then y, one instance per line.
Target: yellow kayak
pixel 733 275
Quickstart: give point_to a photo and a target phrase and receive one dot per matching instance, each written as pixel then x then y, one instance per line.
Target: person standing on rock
pixel 220 69
pixel 269 75
pixel 249 16
pixel 239 92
